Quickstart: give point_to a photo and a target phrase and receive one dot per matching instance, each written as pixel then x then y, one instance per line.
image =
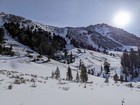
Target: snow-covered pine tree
pixel 80 64
pixel 71 55
pixel 83 75
pixel 115 77
pixel 106 67
pixel 57 73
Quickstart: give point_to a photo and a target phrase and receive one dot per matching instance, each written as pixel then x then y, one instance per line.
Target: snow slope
pixel 49 91
pixel 55 92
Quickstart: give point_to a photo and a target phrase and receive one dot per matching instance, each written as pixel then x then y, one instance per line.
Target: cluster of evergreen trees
pixel 36 38
pixel 83 77
pixel 130 62
pixel 1 35
pixel 4 50
pixel 69 57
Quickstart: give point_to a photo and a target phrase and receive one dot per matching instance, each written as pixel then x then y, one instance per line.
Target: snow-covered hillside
pixel 53 92
pixel 48 91
pixel 61 92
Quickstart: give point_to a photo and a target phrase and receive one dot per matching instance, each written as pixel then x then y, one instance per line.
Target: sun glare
pixel 122 18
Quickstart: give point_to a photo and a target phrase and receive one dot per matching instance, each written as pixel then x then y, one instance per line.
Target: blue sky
pixel 74 12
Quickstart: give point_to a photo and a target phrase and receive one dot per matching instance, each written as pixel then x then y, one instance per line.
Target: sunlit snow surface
pixel 54 92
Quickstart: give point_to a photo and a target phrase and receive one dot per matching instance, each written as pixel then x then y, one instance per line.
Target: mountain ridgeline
pixel 47 40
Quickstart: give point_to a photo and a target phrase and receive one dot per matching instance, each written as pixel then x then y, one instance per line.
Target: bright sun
pixel 122 18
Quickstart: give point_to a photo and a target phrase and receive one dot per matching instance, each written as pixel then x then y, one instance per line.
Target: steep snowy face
pixel 108 31
pixel 102 29
pixel 118 35
pixel 103 36
pixel 92 39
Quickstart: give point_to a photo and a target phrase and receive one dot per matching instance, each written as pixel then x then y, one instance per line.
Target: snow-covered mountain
pixel 100 36
pixel 24 82
pixel 26 77
pixel 104 36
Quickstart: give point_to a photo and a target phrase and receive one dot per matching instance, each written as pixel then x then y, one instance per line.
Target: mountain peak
pixel 102 35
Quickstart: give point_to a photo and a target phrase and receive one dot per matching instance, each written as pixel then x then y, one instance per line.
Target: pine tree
pixel 65 52
pixel 80 64
pixel 71 57
pixel 57 73
pixel 106 67
pixel 77 77
pixel 69 74
pixel 83 75
pixel 10 86
pixel 115 77
pixel 89 72
pixel 121 78
pixel 52 74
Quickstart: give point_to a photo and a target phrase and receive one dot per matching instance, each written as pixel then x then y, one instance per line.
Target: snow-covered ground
pixel 54 92
pixel 48 91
